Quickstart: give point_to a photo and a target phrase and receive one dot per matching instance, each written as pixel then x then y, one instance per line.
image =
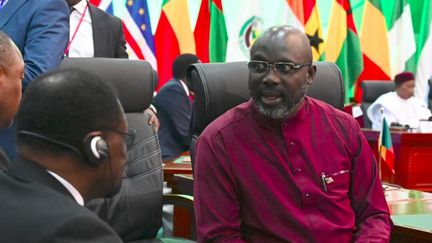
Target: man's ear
pixel 310 75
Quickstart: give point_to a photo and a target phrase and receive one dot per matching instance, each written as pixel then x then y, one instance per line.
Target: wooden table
pixel 181 165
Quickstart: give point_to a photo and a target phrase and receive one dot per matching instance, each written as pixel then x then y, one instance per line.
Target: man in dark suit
pixel 40 30
pixel 175 109
pixel 11 76
pixel 69 151
pixel 89 24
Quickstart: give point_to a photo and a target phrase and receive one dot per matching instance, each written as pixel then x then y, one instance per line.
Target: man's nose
pixel 271 76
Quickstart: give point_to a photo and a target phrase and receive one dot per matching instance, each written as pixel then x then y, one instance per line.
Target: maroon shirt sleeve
pixel 217 207
pixel 367 197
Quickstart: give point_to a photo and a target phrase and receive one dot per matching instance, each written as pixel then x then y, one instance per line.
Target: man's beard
pixel 288 105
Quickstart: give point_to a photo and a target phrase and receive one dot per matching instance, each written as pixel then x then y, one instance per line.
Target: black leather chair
pixel 219 87
pixel 372 89
pixel 136 211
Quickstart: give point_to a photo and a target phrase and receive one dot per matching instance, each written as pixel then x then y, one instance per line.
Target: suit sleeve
pixel 176 105
pixel 83 229
pixel 367 196
pixel 47 38
pixel 121 45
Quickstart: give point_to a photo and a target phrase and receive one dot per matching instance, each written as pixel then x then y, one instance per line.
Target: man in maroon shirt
pixel 283 166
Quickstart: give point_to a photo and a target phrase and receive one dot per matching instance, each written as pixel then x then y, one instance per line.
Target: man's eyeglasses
pixel 129 136
pixel 263 67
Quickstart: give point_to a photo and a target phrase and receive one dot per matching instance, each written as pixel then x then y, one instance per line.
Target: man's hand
pixel 153 120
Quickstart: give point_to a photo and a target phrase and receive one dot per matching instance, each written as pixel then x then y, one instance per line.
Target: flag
pixel 374 45
pixel 385 146
pixel 307 12
pixel 138 32
pixel 343 45
pixel 218 32
pixel 136 28
pixel 210 32
pixel 400 36
pixel 173 37
pixel 247 19
pixel 424 52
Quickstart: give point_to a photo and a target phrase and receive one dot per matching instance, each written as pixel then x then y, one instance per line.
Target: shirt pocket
pixel 338 182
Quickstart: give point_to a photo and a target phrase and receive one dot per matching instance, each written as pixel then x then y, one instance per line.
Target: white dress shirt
pixel 75 193
pixel 82 44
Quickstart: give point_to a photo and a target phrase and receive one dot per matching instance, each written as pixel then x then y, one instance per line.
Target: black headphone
pixel 95 148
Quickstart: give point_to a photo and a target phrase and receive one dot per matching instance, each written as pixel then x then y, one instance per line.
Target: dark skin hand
pixel 153 119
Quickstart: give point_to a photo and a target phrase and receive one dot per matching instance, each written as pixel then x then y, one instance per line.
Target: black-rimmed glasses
pixel 263 67
pixel 129 136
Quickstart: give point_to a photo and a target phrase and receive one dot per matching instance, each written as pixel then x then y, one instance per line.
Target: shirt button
pixel 292 144
pixel 307 195
pixel 298 170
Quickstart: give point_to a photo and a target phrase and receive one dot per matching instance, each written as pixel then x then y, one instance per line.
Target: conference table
pixel 411 210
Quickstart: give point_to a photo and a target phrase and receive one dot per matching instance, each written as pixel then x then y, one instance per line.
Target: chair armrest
pixel 181 200
pixel 184 216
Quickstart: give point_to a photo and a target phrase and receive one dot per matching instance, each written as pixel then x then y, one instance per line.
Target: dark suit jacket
pixel 36 207
pixel 174 113
pixel 108 38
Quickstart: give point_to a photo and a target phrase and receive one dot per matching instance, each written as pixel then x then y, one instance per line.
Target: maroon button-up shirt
pixel 310 178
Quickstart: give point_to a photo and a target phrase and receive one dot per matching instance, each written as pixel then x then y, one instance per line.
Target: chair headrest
pixel 221 86
pixel 372 89
pixel 134 80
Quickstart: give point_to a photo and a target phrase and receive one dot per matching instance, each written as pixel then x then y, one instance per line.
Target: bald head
pixel 285 38
pixel 11 75
pixel 280 71
pixel 9 52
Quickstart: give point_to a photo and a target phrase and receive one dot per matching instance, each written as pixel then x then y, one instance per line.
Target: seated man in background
pixel 399 106
pixel 175 109
pixel 11 76
pixel 284 167
pixel 71 144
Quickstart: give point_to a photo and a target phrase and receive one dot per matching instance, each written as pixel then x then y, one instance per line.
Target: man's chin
pixel 272 111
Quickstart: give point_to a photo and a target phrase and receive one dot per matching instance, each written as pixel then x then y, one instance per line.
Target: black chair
pixel 136 211
pixel 372 89
pixel 219 87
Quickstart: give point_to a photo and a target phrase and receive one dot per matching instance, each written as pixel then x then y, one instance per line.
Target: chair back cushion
pixel 134 80
pixel 135 212
pixel 372 89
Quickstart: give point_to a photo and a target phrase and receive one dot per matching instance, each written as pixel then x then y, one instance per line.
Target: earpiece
pixel 96 150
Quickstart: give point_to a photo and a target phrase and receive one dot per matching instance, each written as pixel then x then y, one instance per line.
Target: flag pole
pixel 379 143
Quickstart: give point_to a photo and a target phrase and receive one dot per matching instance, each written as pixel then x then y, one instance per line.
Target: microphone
pixel 51 140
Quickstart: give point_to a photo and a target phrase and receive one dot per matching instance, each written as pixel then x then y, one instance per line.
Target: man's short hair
pixel 66 105
pixel 181 64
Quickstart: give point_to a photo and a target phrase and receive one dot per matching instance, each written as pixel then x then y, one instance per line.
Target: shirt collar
pixel 75 193
pixel 184 87
pixel 80 6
